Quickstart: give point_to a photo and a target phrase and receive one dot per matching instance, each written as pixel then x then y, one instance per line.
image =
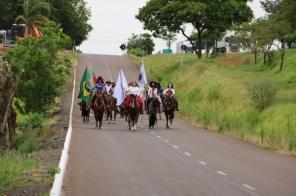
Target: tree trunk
pixel 8 87
pixel 282 55
pixel 255 56
pixel 207 49
pixel 190 40
pixel 199 41
pixel 264 58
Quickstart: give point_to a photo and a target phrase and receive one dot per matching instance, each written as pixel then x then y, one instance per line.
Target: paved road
pixel 185 161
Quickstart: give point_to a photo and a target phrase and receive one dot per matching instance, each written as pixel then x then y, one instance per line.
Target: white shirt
pixel 152 92
pixel 169 89
pixel 133 91
pixel 108 88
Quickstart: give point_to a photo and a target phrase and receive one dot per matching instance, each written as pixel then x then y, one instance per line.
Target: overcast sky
pixel 113 22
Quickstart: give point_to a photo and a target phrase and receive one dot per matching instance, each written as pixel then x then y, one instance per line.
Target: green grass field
pixel 13 169
pixel 213 93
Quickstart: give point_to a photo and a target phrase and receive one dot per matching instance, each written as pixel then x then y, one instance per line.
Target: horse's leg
pixel 167 120
pixel 97 119
pixel 129 124
pixel 100 120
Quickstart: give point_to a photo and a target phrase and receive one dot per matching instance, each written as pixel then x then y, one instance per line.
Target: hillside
pixel 214 93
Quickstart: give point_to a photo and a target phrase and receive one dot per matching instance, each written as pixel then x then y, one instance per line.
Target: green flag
pixel 84 93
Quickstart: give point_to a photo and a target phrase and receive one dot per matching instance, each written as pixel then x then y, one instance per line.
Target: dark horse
pixel 133 112
pixel 98 106
pixel 169 107
pixel 153 108
pixel 111 107
pixel 85 110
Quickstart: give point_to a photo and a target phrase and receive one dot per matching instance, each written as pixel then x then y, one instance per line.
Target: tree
pixel 169 38
pixel 73 16
pixel 143 42
pixel 282 22
pixel 246 35
pixel 34 13
pixel 42 71
pixel 205 16
pixel 9 10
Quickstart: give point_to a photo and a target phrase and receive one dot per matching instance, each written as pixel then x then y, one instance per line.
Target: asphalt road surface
pixel 184 161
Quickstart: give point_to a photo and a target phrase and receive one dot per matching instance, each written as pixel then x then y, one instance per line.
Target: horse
pixel 153 106
pixel 169 107
pixel 98 106
pixel 85 110
pixel 133 112
pixel 111 107
pixel 123 112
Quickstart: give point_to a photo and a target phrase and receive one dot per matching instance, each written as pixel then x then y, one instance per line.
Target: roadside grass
pixel 13 167
pixel 213 93
pixel 17 167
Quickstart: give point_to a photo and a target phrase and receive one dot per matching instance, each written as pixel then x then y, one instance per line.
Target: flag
pixel 119 90
pixel 142 76
pixel 93 77
pixel 123 80
pixel 84 94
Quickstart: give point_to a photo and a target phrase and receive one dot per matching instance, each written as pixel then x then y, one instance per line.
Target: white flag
pixel 142 76
pixel 119 90
pixel 123 80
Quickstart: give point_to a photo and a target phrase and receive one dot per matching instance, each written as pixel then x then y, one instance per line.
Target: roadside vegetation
pixel 248 95
pixel 42 66
pixel 231 94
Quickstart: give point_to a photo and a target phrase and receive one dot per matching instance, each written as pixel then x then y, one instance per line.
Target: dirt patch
pixel 34 190
pixel 234 59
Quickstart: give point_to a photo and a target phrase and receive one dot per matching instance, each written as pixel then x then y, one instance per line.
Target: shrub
pixel 137 52
pixel 25 142
pixel 32 121
pixel 262 93
pixel 53 170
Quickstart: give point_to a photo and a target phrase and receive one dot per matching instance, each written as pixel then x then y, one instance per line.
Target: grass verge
pixel 213 92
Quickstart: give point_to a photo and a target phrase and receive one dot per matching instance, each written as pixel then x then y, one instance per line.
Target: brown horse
pixel 111 107
pixel 98 106
pixel 169 107
pixel 133 112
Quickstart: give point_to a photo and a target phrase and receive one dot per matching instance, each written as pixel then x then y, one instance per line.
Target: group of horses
pixel 105 104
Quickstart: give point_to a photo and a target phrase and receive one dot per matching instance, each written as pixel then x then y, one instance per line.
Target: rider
pixel 170 92
pixel 153 92
pixel 100 85
pixel 108 87
pixel 133 89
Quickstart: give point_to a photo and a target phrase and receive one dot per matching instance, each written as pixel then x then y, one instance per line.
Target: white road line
pixel 187 153
pixel 221 173
pixel 158 136
pixel 249 187
pixel 166 141
pixel 202 162
pixel 177 147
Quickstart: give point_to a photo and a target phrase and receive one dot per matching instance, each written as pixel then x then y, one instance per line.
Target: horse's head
pixel 134 101
pixel 169 103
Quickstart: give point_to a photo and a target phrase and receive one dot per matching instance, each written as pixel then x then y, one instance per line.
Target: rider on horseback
pixel 153 92
pixel 108 87
pixel 100 85
pixel 133 89
pixel 170 92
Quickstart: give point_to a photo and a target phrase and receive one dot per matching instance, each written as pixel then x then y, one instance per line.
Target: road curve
pixel 184 161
